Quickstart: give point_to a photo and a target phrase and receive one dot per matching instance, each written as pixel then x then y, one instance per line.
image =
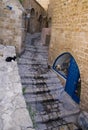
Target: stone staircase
pixel 50 106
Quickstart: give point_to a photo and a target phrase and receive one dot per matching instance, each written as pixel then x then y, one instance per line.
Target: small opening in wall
pixel 50 22
pixel 32 12
pixel 36 14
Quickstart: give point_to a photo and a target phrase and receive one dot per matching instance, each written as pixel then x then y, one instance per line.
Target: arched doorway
pixel 32 21
pixel 32 12
pixel 66 66
pixel 40 19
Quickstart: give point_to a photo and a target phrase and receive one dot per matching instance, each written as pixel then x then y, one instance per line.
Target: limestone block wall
pixel 50 8
pixel 70 34
pixel 11 24
pixel 50 13
pixel 33 23
pixel 45 36
pixel 44 3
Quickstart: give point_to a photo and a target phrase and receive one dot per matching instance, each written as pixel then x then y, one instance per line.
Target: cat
pixel 9 59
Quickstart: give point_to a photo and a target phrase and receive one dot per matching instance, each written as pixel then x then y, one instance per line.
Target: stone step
pixel 41 97
pixel 50 73
pixel 50 117
pixel 63 102
pixel 29 54
pixel 43 87
pixel 42 81
pixel 38 98
pixel 34 59
pixel 40 51
pixel 45 75
pixel 36 56
pixel 33 49
pixel 22 62
pixel 30 60
pixel 56 126
pixel 46 95
pixel 60 96
pixel 38 47
pixel 34 90
pixel 56 116
pixel 50 112
pixel 39 78
pixel 33 66
pixel 25 71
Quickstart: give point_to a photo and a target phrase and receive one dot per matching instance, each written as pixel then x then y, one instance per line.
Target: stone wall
pixel 37 21
pixel 44 3
pixel 50 8
pixel 13 112
pixel 12 24
pixel 70 34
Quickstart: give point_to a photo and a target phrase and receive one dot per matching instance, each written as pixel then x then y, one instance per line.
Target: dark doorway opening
pixel 66 66
pixel 32 12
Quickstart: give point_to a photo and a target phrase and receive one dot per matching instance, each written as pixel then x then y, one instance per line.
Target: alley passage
pixel 49 106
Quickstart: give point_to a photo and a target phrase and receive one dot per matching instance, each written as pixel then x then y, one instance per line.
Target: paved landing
pixel 49 105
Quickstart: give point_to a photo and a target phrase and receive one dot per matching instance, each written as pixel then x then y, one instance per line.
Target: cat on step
pixel 9 59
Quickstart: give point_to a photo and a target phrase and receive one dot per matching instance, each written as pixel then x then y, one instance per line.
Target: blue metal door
pixel 72 80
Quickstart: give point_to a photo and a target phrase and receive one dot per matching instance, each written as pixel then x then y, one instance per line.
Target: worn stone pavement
pixel 13 112
pixel 49 105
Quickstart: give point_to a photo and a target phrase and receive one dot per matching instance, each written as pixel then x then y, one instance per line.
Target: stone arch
pixel 66 66
pixel 32 20
pixel 40 19
pixel 32 12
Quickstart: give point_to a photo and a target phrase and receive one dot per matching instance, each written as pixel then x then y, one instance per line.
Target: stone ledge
pixel 13 112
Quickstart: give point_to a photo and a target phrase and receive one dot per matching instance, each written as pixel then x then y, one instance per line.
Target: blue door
pixel 72 81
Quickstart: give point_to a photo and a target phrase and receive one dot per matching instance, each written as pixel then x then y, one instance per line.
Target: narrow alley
pixel 43 64
pixel 49 105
